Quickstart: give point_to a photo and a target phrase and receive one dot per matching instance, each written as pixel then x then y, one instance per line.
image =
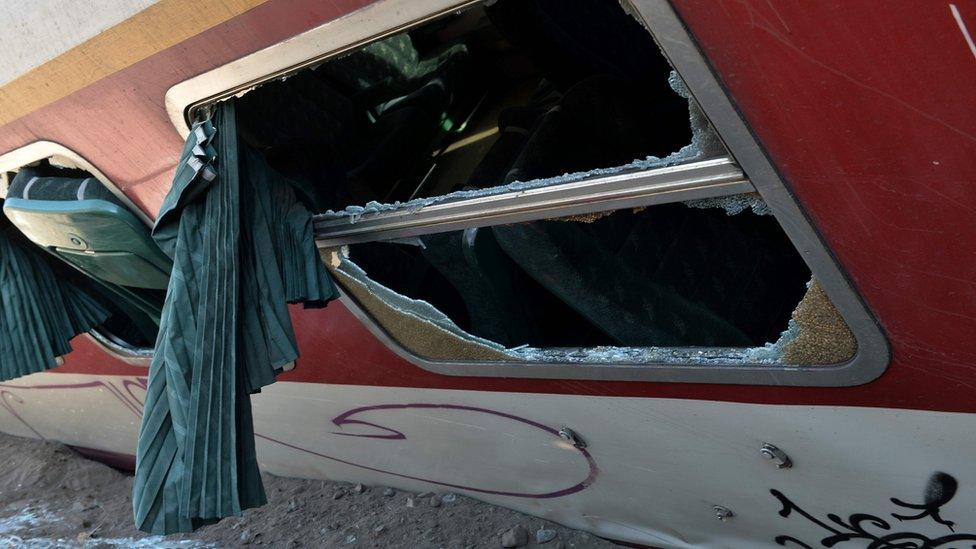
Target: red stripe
pixel 867 112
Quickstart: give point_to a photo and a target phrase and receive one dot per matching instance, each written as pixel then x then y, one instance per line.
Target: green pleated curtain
pixel 242 249
pixel 40 311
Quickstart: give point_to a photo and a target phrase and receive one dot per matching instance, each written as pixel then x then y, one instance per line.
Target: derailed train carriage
pixel 678 275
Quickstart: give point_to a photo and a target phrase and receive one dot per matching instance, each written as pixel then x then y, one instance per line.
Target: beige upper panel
pixel 164 23
pixel 40 30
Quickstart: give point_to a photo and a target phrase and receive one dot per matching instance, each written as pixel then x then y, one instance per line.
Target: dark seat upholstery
pixel 488 282
pixel 392 68
pixel 347 131
pixel 601 122
pixel 671 275
pixel 572 40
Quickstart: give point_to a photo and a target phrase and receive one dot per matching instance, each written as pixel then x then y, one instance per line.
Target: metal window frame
pixel 696 180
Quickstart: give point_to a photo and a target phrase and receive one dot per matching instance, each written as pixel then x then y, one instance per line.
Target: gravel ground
pixel 50 497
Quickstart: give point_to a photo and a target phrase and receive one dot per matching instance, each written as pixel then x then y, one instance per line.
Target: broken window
pixel 92 240
pixel 529 181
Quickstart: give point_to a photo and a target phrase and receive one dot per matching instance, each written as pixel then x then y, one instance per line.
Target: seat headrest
pixel 30 185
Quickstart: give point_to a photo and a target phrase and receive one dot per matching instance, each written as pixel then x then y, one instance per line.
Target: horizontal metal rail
pixel 695 180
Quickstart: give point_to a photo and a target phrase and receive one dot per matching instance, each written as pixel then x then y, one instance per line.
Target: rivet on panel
pixel 723 513
pixel 777 456
pixel 570 435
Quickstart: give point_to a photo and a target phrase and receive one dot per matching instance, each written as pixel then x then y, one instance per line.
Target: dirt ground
pixel 51 497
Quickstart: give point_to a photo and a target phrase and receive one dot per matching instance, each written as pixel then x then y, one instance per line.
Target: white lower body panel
pixel 651 473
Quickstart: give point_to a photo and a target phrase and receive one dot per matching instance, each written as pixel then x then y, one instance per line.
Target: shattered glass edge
pixel 705 144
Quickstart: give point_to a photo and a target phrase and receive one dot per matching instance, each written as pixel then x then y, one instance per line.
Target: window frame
pixel 713 177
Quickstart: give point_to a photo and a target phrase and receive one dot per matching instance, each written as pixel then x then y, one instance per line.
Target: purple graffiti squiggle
pixel 140 382
pixel 339 421
pixel 112 390
pixel 343 419
pixel 4 394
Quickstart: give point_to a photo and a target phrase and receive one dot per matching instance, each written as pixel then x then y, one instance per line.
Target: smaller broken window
pixel 91 239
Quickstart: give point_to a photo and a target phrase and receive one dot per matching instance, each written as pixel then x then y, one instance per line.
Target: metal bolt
pixel 570 435
pixel 723 513
pixel 777 456
pixel 77 241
